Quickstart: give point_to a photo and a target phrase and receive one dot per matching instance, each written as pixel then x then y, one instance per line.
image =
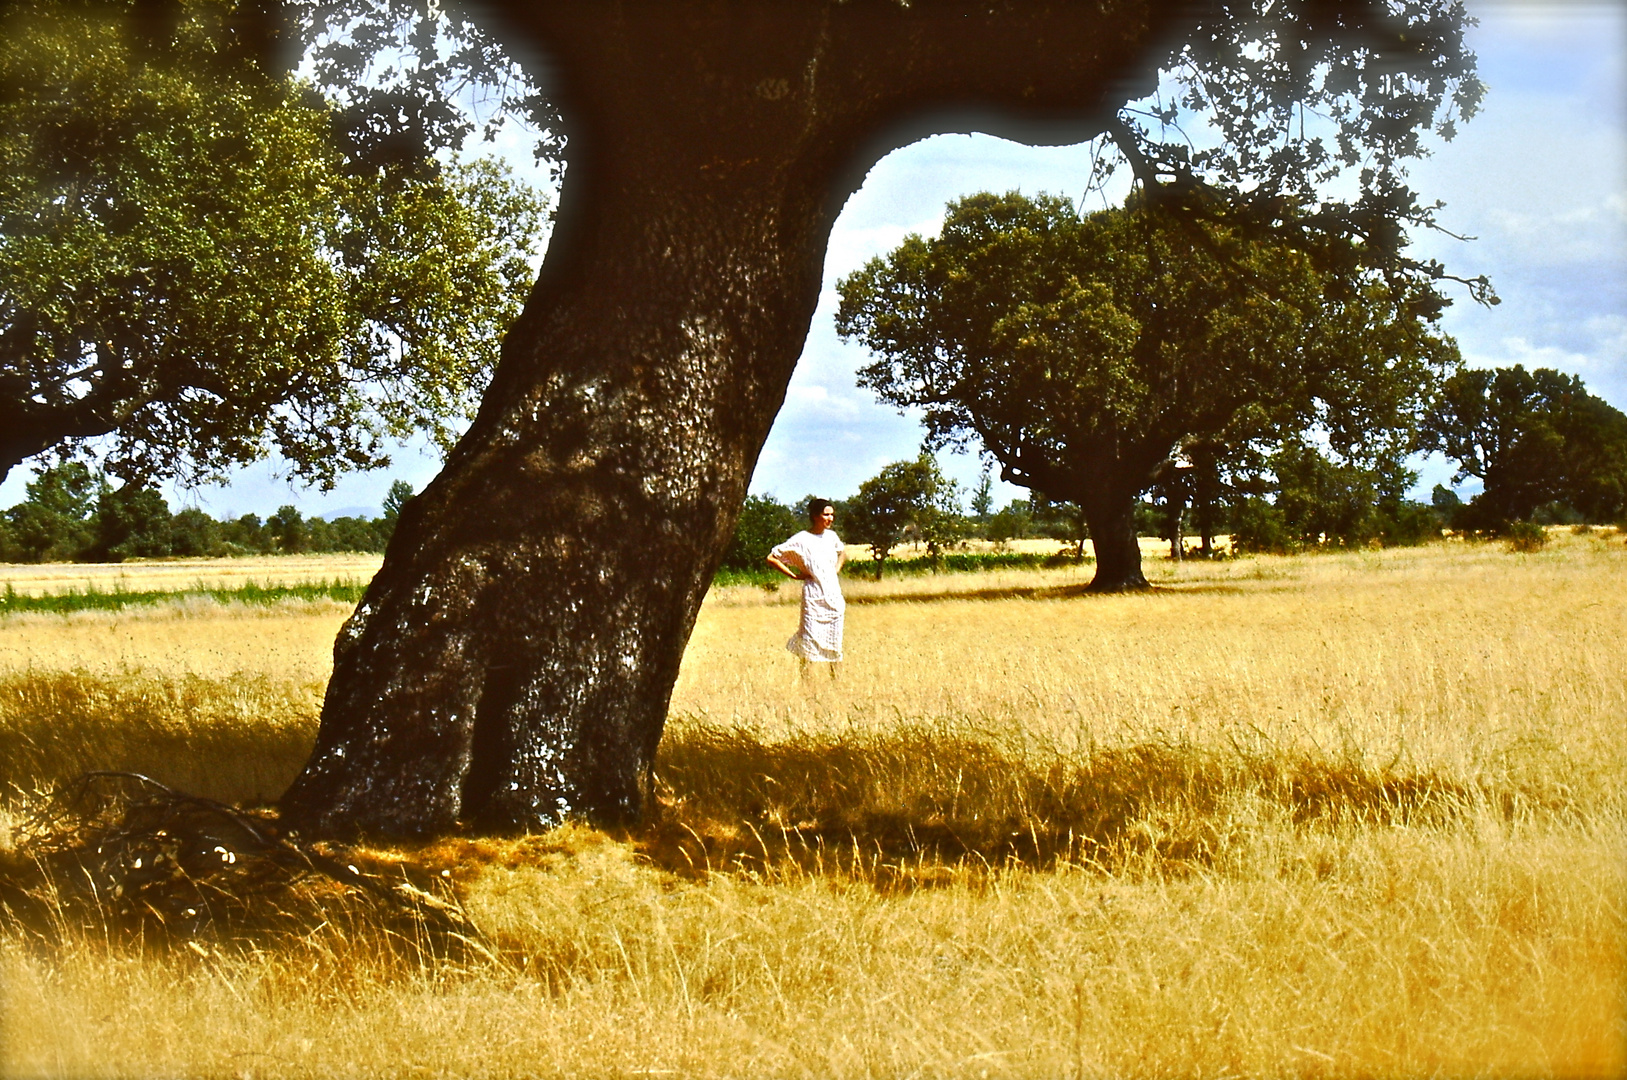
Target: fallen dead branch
pixel 121 851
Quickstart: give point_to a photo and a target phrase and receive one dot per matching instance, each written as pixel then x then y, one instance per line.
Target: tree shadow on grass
pixel 1221 588
pixel 239 740
pixel 164 869
pixel 912 805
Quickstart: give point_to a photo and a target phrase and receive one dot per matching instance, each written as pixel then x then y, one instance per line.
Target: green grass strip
pixel 93 599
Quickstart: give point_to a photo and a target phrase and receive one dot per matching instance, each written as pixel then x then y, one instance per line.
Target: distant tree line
pixel 1291 499
pixel 1545 450
pixel 74 513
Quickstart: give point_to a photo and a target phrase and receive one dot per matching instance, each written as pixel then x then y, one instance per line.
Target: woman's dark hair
pixel 817 507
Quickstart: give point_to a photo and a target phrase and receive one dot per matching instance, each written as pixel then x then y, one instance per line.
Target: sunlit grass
pixel 172 575
pixel 1380 953
pixel 290 641
pixel 119 598
pixel 1356 814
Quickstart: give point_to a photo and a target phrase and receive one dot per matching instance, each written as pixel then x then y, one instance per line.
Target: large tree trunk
pixel 1112 519
pixel 512 662
pixel 1104 481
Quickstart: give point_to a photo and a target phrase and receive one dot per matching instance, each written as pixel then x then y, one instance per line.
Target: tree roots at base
pixel 121 851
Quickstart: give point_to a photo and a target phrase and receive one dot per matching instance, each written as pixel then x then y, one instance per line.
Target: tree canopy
pixel 1533 438
pixel 905 499
pixel 1294 118
pixel 189 264
pixel 1082 351
pixel 1318 498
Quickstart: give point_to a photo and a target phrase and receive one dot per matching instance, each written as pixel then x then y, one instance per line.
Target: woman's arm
pixel 794 575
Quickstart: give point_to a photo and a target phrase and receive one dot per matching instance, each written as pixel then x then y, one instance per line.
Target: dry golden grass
pixel 178 574
pixel 1346 815
pixel 240 740
pixel 1450 657
pixel 286 641
pixel 1470 955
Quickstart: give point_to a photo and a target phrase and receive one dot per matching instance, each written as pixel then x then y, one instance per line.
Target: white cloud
pixel 1528 224
pixel 819 402
pixel 1519 350
pixel 1598 354
pixel 1611 329
pixel 850 249
pixel 1593 232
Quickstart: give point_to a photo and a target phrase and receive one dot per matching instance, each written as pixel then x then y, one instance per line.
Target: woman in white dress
pixel 815 557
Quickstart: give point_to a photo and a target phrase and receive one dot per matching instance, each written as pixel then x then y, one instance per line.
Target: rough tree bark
pixel 513 660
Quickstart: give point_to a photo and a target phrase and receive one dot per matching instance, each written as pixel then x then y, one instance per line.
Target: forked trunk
pixel 512 662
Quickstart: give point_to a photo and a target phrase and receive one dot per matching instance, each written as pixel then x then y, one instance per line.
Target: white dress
pixel 819 638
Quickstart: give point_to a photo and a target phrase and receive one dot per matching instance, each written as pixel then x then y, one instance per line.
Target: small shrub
pixel 764 521
pixel 1525 536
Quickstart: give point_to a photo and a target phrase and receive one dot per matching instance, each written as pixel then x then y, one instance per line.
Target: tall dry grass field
pixel 1345 815
pixel 180 574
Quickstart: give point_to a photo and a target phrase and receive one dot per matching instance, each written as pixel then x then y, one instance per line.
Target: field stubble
pixel 1340 815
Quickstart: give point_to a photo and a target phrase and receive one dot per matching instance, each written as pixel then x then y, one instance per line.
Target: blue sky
pixel 1539 177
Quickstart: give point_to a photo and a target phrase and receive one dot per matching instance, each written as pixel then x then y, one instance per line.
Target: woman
pixel 815 557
